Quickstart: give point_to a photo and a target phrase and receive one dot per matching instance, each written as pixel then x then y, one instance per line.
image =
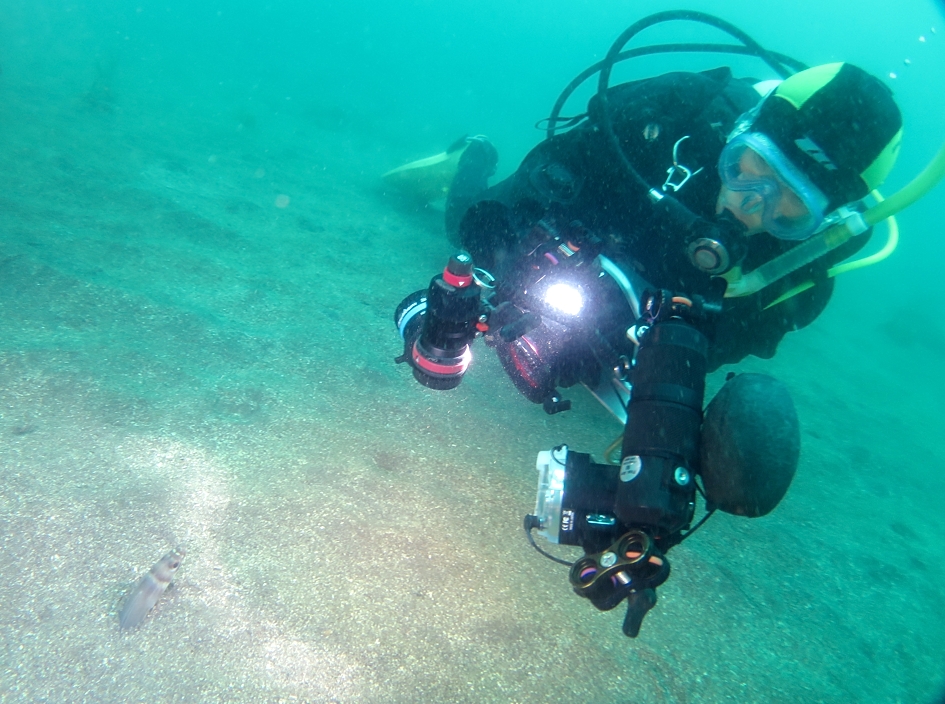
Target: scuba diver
pixel 756 175
pixel 682 223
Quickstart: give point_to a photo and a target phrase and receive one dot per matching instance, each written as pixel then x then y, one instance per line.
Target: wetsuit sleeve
pixel 747 328
pixel 755 325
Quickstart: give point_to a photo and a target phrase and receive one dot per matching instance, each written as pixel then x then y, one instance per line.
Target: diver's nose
pixel 751 203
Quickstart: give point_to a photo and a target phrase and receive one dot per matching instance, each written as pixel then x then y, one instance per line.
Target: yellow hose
pixel 910 193
pixel 892 241
pixel 840 233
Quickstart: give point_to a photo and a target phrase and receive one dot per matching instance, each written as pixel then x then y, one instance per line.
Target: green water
pixel 182 361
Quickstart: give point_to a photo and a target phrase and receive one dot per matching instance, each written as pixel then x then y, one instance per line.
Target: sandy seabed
pixel 187 358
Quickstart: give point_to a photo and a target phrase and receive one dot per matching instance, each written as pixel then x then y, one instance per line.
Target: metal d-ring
pixel 484 278
pixel 678 168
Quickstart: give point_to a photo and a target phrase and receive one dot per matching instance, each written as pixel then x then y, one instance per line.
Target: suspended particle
pixel 651 131
pixel 922 39
pixel 892 75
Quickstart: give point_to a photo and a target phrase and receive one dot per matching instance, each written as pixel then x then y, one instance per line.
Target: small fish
pixel 147 592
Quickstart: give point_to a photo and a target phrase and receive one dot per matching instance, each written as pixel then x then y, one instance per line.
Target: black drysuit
pixel 577 176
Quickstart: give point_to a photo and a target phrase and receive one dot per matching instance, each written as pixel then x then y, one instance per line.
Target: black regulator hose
pixel 782 64
pixel 607 65
pixel 554 121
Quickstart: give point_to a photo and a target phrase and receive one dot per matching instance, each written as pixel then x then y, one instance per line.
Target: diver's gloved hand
pixel 479 157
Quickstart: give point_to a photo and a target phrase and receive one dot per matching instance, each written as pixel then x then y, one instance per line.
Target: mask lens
pixel 791 206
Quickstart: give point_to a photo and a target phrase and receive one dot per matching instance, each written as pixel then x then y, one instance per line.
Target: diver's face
pixel 748 206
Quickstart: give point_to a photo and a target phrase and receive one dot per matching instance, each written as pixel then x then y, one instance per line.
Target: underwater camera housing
pixel 541 319
pixel 587 504
pixel 744 448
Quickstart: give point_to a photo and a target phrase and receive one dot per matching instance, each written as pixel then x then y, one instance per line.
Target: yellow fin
pixel 426 179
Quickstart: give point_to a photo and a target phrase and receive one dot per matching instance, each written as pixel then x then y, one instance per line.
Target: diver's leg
pixel 476 166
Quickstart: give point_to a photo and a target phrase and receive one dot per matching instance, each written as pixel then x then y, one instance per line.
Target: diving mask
pixel 762 180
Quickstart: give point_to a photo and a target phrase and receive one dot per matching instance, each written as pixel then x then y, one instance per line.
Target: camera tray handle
pixel 630 569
